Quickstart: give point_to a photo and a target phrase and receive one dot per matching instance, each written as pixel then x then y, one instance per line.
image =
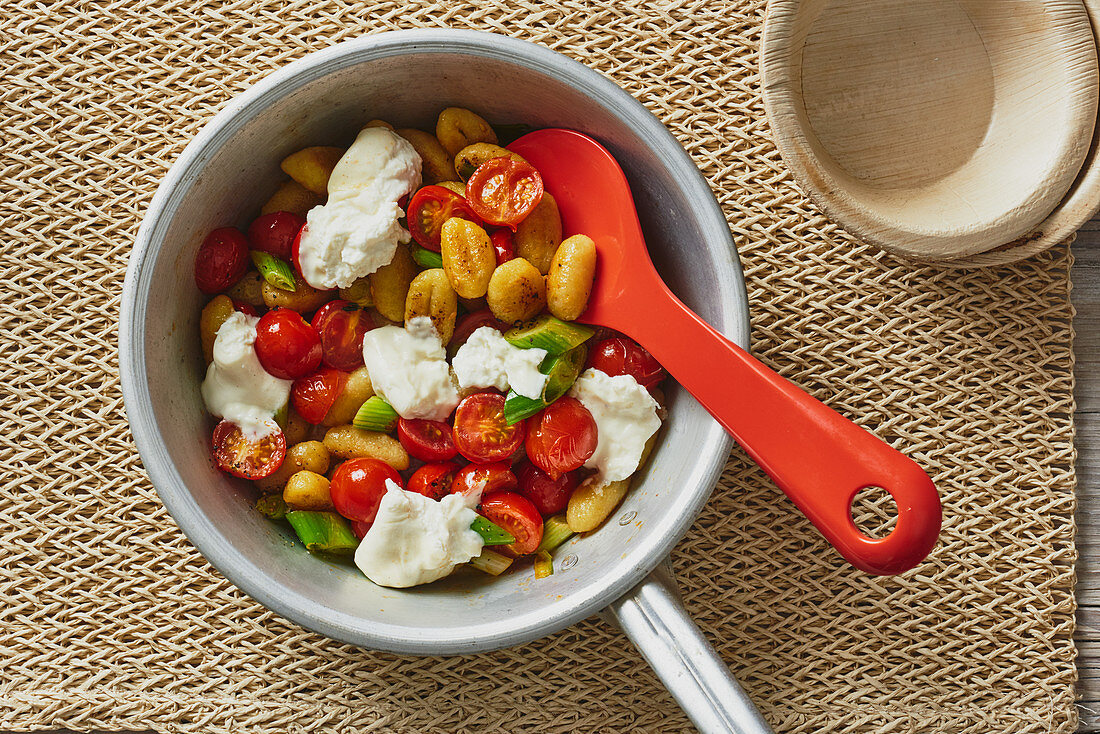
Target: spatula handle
pixel 820 459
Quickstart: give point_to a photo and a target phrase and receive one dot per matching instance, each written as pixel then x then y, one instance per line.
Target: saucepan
pixel 224 175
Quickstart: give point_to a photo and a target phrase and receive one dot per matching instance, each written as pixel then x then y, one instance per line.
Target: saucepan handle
pixel 655 620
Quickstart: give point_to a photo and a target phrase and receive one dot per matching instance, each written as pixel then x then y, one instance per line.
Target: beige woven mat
pixel 109 619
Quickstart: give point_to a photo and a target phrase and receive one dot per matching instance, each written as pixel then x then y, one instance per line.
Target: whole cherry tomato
pixel 503 191
pixel 622 356
pixel 426 440
pixel 341 325
pixel 550 496
pixel 429 208
pixel 470 323
pixel 286 345
pixel 360 528
pixel 433 480
pixel 313 395
pixel 505 245
pixel 248 459
pixel 484 478
pixel 516 514
pixel 295 248
pixel 246 308
pixel 274 233
pixel 222 260
pixel 358 485
pixel 561 437
pixel 481 433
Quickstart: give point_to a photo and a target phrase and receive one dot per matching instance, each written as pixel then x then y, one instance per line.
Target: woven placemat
pixel 109 619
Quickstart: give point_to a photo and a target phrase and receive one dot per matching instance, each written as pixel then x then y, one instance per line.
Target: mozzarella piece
pixel 488 360
pixel 408 369
pixel 625 415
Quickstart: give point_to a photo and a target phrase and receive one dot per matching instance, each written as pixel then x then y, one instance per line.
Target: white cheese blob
pixel 415 539
pixel 357 231
pixel 488 360
pixel 237 388
pixel 408 369
pixel 625 415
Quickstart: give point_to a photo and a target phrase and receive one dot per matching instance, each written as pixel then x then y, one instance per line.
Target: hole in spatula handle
pixel 874 512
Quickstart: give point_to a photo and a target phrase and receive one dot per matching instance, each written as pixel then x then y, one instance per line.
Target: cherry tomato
pixel 516 514
pixel 470 323
pixel 341 325
pixel 222 260
pixel 286 345
pixel 295 247
pixel 622 356
pixel 433 480
pixel 246 308
pixel 426 440
pixel 360 528
pixel 358 485
pixel 274 233
pixel 429 208
pixel 484 478
pixel 505 245
pixel 313 395
pixel 550 496
pixel 481 434
pixel 244 458
pixel 503 191
pixel 561 437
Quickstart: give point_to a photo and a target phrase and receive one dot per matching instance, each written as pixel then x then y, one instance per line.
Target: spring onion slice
pixel 491 562
pixel 375 415
pixel 517 407
pixel 323 532
pixel 549 333
pixel 491 533
pixel 555 531
pixel 275 271
pixel 561 370
pixel 426 258
pixel 544 565
pixel 271 506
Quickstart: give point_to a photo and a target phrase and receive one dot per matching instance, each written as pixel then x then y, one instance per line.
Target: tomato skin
pixel 360 528
pixel 274 233
pixel 295 248
pixel 516 514
pixel 240 457
pixel 561 437
pixel 358 485
pixel 480 432
pixel 246 308
pixel 504 244
pixel 622 356
pixel 429 208
pixel 549 496
pixel 426 440
pixel 341 326
pixel 484 478
pixel 470 323
pixel 313 395
pixel 222 260
pixel 433 480
pixel 286 345
pixel 503 191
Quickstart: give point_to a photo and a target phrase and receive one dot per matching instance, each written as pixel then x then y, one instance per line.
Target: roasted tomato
pixel 433 480
pixel 313 395
pixel 481 433
pixel 561 437
pixel 286 345
pixel 470 323
pixel 484 478
pixel 550 496
pixel 518 516
pixel 341 326
pixel 503 191
pixel 504 244
pixel 274 233
pixel 622 356
pixel 248 459
pixel 358 485
pixel 429 208
pixel 426 440
pixel 222 260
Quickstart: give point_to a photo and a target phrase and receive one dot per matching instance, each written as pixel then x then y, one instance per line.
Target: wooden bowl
pixel 937 129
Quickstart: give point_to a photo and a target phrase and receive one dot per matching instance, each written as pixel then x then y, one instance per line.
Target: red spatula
pixel 820 459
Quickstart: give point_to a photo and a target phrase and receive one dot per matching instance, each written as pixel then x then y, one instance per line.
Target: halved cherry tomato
pixel 505 245
pixel 561 437
pixel 516 514
pixel 484 478
pixel 286 345
pixel 481 433
pixel 433 480
pixel 246 458
pixel 622 356
pixel 274 233
pixel 341 325
pixel 470 323
pixel 222 260
pixel 426 440
pixel 313 395
pixel 246 308
pixel 503 191
pixel 358 485
pixel 429 208
pixel 550 496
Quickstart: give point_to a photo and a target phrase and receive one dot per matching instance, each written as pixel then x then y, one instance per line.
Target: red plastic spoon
pixel 818 457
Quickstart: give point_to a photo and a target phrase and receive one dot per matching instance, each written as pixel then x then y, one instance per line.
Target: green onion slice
pixel 375 415
pixel 555 531
pixel 561 370
pixel 544 565
pixel 549 333
pixel 323 532
pixel 491 562
pixel 426 258
pixel 491 533
pixel 271 506
pixel 275 271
